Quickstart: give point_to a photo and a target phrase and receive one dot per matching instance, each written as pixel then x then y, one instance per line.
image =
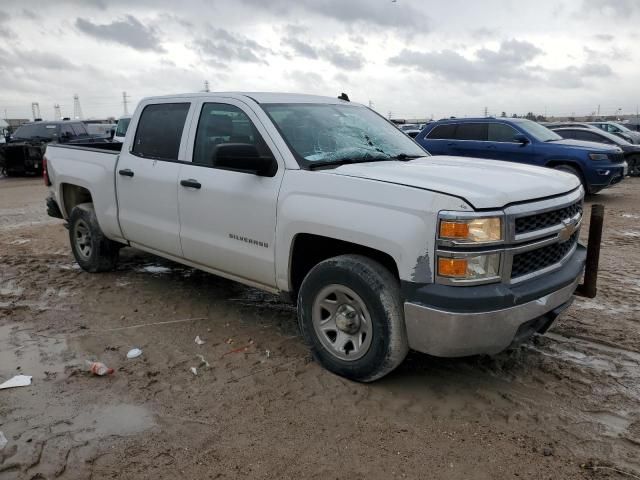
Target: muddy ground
pixel 565 406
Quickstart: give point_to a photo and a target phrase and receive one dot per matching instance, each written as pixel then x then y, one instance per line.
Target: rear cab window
pixel 159 131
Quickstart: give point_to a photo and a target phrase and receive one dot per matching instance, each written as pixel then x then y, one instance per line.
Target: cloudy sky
pixel 408 57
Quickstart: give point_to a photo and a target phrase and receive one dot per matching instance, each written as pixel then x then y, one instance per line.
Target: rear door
pixel 147 177
pixel 470 139
pixel 439 140
pixel 228 219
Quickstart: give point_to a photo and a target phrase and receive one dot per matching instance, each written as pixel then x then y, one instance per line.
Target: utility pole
pixel 35 110
pixel 124 103
pixel 370 104
pixel 77 110
pixel 57 115
pixel 390 113
pixel 206 86
pixel 598 109
pixel 486 112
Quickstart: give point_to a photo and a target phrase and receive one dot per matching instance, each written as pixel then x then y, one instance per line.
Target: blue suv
pixel 518 140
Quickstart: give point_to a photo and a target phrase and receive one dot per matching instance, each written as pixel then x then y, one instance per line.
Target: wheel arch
pixel 308 249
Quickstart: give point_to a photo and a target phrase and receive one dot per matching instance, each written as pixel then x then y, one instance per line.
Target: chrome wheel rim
pixel 342 322
pixel 82 238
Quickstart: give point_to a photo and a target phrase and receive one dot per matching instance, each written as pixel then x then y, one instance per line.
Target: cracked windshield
pixel 326 133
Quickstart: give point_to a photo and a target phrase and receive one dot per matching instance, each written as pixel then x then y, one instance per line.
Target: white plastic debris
pixel 198 340
pixel 203 362
pixel 267 353
pixel 194 371
pixel 3 441
pixel 17 381
pixel 134 353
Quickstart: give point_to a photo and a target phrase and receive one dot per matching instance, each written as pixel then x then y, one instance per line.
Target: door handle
pixel 190 183
pixel 126 172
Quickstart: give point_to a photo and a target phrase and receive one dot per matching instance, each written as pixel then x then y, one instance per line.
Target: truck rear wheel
pixel 92 250
pixel 351 315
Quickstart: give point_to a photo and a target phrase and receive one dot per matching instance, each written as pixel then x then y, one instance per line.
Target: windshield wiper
pixel 405 156
pixel 344 161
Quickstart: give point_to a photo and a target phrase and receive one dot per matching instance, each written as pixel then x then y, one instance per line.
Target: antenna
pixel 124 103
pixel 35 110
pixel 57 115
pixel 77 110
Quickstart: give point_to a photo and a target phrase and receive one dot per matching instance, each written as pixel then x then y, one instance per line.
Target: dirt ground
pixel 565 406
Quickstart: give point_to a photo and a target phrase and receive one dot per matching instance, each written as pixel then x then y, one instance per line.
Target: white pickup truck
pixel 385 247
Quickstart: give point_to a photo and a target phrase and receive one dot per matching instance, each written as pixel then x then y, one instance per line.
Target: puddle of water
pixel 588 304
pixel 614 424
pixel 20 241
pixel 108 420
pixel 155 269
pixel 11 288
pixel 34 355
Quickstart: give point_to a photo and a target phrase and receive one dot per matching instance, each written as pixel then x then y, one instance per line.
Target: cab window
pixel 442 132
pixel 471 131
pixel 221 124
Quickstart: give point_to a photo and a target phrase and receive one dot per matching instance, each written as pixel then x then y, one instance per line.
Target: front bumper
pixel 461 321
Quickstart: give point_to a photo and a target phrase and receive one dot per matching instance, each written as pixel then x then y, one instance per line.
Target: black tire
pixel 576 172
pixel 634 165
pixel 379 291
pixel 92 250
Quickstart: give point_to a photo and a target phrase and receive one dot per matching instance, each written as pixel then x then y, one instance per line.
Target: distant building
pixel 14 123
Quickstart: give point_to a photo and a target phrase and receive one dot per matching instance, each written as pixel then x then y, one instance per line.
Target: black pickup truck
pixel 23 152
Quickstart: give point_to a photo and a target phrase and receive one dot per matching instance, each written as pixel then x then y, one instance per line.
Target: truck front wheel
pixel 92 250
pixel 350 313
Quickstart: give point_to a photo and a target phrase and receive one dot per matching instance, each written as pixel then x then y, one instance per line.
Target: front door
pixel 228 218
pixel 501 144
pixel 147 178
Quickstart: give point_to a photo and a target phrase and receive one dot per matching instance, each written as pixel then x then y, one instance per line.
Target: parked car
pixel 553 125
pixel 384 247
pixel 524 141
pixel 23 153
pixel 410 129
pixel 631 151
pixel 619 130
pixel 121 128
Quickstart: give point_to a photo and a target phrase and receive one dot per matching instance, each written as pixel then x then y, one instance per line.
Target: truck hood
pixel 482 183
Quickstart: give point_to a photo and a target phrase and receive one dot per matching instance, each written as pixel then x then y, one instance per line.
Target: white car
pixel 383 247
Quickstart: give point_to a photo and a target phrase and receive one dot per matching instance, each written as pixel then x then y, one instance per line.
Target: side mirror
pixel 521 138
pixel 244 157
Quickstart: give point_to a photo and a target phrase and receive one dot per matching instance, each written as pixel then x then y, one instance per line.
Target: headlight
pixel 473 230
pixel 598 156
pixel 470 268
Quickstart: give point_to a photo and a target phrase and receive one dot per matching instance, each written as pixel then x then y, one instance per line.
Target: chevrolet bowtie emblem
pixel 569 227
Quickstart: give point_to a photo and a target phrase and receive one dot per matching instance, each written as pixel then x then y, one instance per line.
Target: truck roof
pixel 259 97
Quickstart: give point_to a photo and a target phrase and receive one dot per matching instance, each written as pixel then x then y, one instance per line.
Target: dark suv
pixel 518 140
pixel 23 153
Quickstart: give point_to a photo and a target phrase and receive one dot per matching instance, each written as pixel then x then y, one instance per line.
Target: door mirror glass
pixel 244 157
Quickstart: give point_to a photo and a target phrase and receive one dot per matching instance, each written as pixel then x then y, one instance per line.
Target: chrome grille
pixel 531 223
pixel 534 260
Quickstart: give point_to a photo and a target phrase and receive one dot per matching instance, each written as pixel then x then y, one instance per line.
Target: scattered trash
pixel 198 340
pixel 134 353
pixel 98 368
pixel 194 370
pixel 17 381
pixel 203 362
pixel 3 441
pixel 238 350
pixel 229 341
pixel 267 353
